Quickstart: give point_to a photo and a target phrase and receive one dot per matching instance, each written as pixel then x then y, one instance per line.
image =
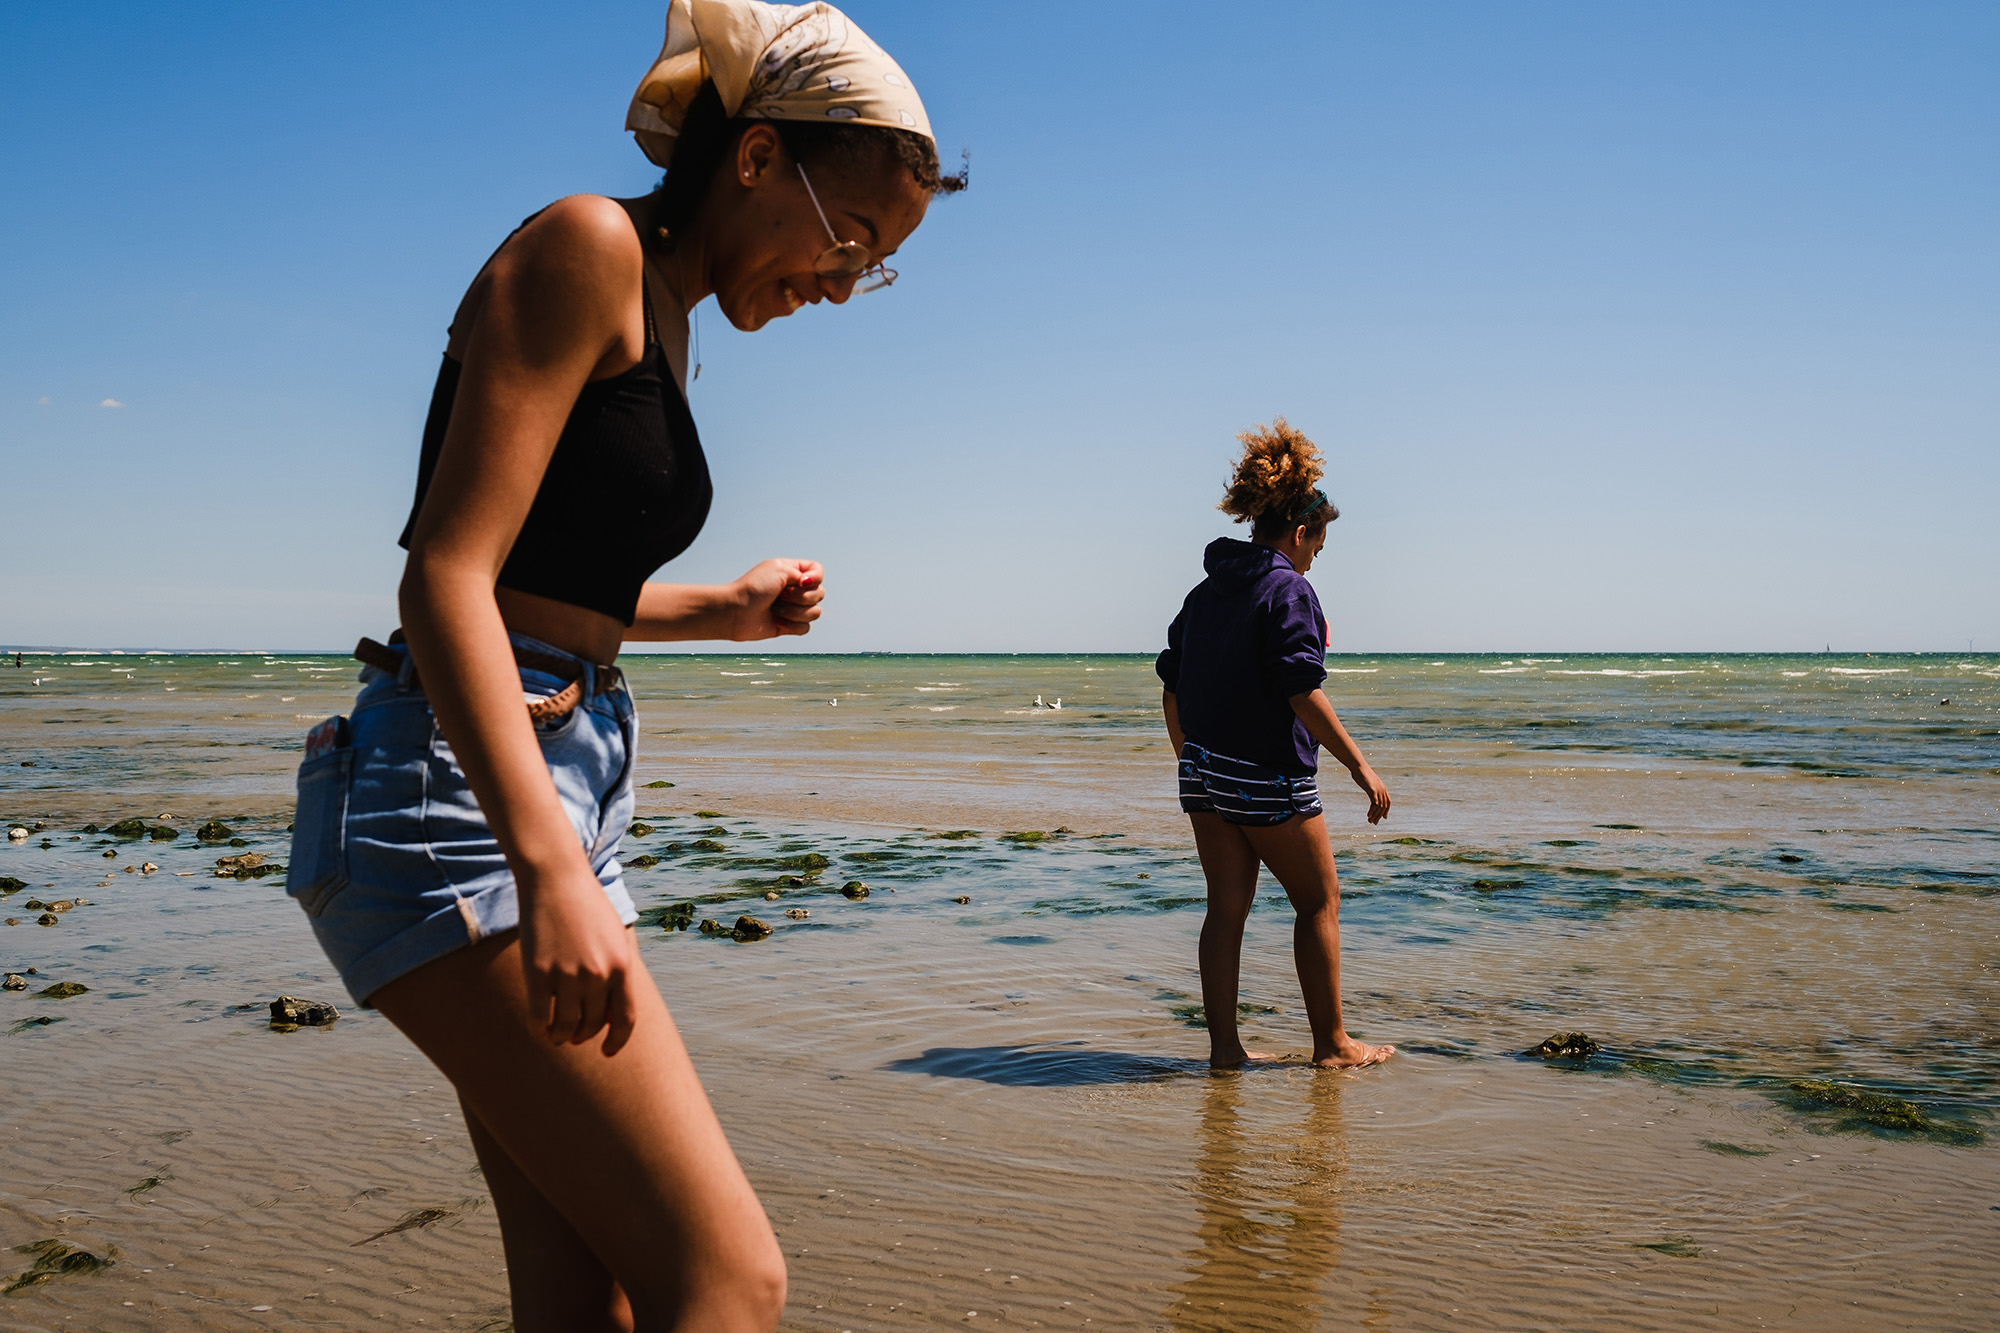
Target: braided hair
pixel 1275 488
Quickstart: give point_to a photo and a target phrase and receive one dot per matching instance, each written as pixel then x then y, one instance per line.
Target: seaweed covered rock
pixel 163 833
pixel 679 916
pixel 63 990
pixel 289 1011
pixel 708 845
pixel 128 828
pixel 854 890
pixel 1565 1046
pixel 1861 1109
pixel 639 829
pixel 642 860
pixel 8 884
pixel 963 900
pixel 749 928
pixel 246 865
pixel 214 831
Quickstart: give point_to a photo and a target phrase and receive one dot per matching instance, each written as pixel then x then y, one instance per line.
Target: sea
pixel 1765 889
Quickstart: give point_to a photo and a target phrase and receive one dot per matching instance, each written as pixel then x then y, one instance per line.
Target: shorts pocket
pixel 318 868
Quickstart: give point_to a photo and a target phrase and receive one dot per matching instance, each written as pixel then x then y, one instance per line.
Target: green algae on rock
pixel 38 1021
pixel 676 916
pixel 128 828
pixel 290 1013
pixel 1565 1046
pixel 854 890
pixel 63 990
pixel 214 831
pixel 639 829
pixel 149 1184
pixel 1865 1111
pixel 662 782
pixel 1680 1247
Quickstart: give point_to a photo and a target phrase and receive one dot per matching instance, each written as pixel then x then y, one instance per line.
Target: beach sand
pixel 990 1113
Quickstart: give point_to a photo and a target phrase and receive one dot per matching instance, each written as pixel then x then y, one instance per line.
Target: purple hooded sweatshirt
pixel 1248 638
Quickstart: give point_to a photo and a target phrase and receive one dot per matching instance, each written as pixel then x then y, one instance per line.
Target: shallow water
pixel 1765 871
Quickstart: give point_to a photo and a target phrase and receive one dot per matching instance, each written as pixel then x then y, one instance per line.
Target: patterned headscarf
pixel 769 62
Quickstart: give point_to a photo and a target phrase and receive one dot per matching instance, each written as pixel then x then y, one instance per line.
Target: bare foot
pixel 1351 1054
pixel 1235 1059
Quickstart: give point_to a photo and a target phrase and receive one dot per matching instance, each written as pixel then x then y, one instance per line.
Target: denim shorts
pixel 391 857
pixel 1242 792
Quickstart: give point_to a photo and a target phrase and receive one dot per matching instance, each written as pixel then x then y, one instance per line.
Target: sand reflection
pixel 1268 1172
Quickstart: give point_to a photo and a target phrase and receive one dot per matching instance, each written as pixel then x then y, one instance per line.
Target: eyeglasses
pixel 845 259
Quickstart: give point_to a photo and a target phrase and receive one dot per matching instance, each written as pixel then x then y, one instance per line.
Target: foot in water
pixel 1348 1053
pixel 1236 1059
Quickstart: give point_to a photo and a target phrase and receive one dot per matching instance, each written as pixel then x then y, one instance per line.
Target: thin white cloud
pixel 111 402
pixel 43 401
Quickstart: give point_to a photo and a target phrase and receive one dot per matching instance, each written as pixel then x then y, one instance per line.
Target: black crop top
pixel 626 490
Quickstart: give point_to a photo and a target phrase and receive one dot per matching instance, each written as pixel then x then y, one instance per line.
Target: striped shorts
pixel 1242 792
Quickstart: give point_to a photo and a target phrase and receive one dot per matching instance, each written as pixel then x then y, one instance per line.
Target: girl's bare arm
pixel 776 597
pixel 559 307
pixel 1316 711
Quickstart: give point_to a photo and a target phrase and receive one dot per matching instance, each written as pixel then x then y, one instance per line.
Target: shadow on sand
pixel 1059 1066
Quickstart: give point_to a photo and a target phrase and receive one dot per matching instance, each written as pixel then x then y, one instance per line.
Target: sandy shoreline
pixel 989 1113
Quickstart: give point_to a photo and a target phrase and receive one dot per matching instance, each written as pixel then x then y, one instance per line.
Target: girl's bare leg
pixel 1230 867
pixel 1299 855
pixel 618 1158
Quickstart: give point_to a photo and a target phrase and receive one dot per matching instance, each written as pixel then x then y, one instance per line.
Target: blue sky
pixel 1623 326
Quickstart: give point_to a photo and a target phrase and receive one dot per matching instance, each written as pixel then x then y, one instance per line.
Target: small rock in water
pixel 708 845
pixel 642 860
pixel 1565 1046
pixel 248 865
pixel 678 917
pixel 83 902
pixel 47 919
pixel 110 852
pixel 59 905
pixel 854 889
pixel 639 830
pixel 62 990
pixel 962 899
pixel 13 981
pixel 661 783
pixel 17 835
pixel 148 868
pixel 770 895
pixel 8 884
pixel 797 913
pixel 128 828
pixel 749 928
pixel 215 831
pixel 289 1011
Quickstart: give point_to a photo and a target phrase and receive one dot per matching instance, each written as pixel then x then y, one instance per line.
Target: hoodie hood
pixel 1237 564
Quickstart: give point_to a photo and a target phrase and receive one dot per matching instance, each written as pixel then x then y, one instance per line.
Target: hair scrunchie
pixel 770 62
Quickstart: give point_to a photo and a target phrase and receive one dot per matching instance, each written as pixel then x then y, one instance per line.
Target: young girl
pixel 456 841
pixel 1242 670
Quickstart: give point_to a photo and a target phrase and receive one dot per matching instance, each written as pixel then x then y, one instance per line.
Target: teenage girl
pixel 456 840
pixel 1243 667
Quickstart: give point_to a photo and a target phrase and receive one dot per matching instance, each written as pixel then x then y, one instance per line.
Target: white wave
pixel 1437 664
pixel 1867 671
pixel 1615 671
pixel 933 689
pixel 1352 671
pixel 738 673
pixel 1537 661
pixel 1795 674
pixel 1515 671
pixel 938 708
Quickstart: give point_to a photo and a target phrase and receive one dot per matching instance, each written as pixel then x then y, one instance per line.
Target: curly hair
pixel 1276 483
pixel 708 135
